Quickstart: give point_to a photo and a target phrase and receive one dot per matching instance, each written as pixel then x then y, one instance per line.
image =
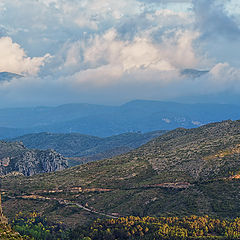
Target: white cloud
pixel 14 59
pixel 107 61
pixel 175 51
pixel 223 76
pixel 73 56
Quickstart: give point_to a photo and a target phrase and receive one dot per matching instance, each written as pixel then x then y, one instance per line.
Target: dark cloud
pixel 213 20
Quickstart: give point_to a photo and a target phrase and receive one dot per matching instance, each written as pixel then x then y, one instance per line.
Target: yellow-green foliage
pixel 192 227
pixel 7 233
pixel 34 226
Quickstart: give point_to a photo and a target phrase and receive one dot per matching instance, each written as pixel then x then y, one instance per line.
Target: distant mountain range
pixel 102 121
pixel 7 76
pixel 11 132
pixel 193 73
pixel 86 148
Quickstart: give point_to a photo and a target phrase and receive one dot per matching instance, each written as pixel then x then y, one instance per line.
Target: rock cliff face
pixel 15 157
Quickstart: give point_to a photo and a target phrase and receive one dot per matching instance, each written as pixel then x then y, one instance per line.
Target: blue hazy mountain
pixel 100 120
pixel 7 76
pixel 193 73
pixel 11 132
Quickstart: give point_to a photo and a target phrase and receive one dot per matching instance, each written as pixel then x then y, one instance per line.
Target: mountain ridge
pixel 103 121
pixel 84 147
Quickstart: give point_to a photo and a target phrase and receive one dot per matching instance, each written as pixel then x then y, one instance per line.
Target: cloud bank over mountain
pixel 103 51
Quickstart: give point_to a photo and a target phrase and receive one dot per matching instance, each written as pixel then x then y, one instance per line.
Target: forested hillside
pixel 182 172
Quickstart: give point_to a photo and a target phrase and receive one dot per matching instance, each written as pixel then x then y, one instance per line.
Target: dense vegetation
pixel 150 228
pixel 33 226
pixel 6 233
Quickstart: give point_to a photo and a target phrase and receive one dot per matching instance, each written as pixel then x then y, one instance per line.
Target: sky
pixel 111 52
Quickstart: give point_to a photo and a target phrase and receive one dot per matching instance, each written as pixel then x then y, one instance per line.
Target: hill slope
pixel 15 157
pixel 182 172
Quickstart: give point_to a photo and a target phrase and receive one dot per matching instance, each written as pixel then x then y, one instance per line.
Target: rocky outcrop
pixel 15 157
